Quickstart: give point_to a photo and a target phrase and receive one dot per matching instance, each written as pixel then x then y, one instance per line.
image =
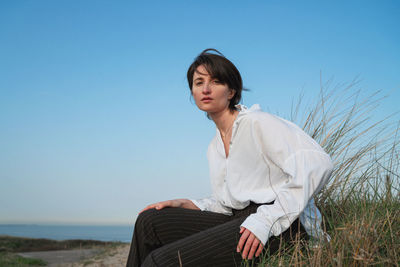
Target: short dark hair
pixel 219 67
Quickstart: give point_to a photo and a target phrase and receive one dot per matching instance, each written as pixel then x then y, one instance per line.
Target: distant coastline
pixel 110 233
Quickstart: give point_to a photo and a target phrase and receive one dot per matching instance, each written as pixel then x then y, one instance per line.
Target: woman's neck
pixel 224 120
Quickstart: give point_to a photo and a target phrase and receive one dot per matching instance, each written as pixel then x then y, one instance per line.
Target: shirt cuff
pixel 259 229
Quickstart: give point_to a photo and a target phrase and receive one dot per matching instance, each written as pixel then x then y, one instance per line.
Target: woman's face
pixel 210 95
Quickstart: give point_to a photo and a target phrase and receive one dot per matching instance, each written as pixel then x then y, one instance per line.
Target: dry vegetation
pixel 361 203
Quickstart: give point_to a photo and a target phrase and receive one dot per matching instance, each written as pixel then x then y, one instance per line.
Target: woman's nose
pixel 206 88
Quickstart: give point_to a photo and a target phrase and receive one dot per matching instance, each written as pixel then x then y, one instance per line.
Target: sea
pixel 64 232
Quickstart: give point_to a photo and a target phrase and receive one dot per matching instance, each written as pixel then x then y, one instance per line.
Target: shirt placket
pixel 234 127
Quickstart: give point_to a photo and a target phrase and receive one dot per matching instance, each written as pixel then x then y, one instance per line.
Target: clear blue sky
pixel 95 114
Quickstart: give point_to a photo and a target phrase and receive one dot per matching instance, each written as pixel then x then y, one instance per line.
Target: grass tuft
pixel 361 202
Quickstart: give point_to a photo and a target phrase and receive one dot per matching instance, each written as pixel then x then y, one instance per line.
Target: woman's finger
pixel 253 248
pixel 167 203
pixel 146 208
pixel 151 206
pixel 242 240
pixel 259 250
pixel 162 204
pixel 247 246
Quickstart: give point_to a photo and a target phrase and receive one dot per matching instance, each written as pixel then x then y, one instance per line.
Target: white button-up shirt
pixel 270 159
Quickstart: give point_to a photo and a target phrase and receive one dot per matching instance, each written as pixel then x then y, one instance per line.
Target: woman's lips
pixel 206 99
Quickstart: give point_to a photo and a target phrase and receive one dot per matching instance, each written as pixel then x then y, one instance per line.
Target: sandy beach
pixel 112 256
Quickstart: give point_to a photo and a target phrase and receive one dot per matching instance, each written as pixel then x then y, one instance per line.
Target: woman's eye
pixel 198 84
pixel 217 81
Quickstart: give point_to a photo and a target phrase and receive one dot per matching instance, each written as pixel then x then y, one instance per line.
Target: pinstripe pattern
pixel 202 238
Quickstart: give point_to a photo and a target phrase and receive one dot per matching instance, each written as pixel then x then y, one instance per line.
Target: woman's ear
pixel 231 93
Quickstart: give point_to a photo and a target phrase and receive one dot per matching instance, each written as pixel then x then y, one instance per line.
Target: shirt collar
pixel 243 109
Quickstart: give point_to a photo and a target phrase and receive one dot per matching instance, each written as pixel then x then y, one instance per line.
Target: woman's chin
pixel 204 107
pixel 211 108
pixel 207 110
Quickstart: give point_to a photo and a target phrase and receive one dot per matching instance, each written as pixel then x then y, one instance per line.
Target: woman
pixel 264 171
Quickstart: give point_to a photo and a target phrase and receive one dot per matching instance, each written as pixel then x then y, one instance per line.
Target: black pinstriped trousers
pixel 184 237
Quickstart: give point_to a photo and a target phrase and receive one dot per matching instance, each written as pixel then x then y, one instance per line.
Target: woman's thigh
pixel 215 246
pixel 170 224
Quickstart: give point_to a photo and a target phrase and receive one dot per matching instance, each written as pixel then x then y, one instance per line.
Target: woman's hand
pixel 174 203
pixel 251 244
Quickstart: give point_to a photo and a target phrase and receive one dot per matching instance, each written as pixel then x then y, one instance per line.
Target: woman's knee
pixel 146 218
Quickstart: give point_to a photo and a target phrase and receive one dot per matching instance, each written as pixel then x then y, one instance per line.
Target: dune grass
pixel 361 202
pixel 10 259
